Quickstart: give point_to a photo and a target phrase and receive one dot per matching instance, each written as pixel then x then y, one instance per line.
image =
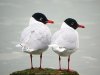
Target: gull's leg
pixel 31 61
pixel 59 63
pixel 40 60
pixel 68 69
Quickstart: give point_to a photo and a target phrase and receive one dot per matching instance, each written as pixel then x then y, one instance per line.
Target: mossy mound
pixel 46 71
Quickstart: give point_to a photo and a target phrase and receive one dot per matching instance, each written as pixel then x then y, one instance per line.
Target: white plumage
pixel 35 38
pixel 65 41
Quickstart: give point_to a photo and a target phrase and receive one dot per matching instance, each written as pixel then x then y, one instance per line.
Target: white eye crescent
pixel 41 19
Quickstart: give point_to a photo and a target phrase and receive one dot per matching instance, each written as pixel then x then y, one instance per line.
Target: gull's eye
pixel 72 23
pixel 41 19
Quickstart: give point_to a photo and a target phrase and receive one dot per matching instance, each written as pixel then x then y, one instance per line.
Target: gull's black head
pixel 41 18
pixel 71 22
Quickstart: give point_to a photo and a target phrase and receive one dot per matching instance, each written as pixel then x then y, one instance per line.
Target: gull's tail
pixel 21 46
pixel 24 48
pixel 18 45
pixel 55 47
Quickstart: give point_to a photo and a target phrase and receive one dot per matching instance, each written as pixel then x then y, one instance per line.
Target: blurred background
pixel 15 15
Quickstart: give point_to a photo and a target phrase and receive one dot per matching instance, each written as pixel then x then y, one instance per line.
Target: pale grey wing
pixel 36 36
pixel 69 40
pixel 25 35
pixel 72 39
pixel 55 36
pixel 38 40
pixel 66 39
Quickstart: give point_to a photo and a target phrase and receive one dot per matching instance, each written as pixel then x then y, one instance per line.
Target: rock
pixel 46 71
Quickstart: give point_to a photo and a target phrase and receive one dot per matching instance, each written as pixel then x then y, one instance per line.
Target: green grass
pixel 46 71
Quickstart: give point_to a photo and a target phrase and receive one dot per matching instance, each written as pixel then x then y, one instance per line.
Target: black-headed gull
pixel 66 40
pixel 36 37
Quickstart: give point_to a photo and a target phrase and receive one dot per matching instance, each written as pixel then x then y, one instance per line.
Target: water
pixel 14 17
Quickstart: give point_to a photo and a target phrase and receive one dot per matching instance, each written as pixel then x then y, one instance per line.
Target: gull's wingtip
pixel 52 45
pixel 18 45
